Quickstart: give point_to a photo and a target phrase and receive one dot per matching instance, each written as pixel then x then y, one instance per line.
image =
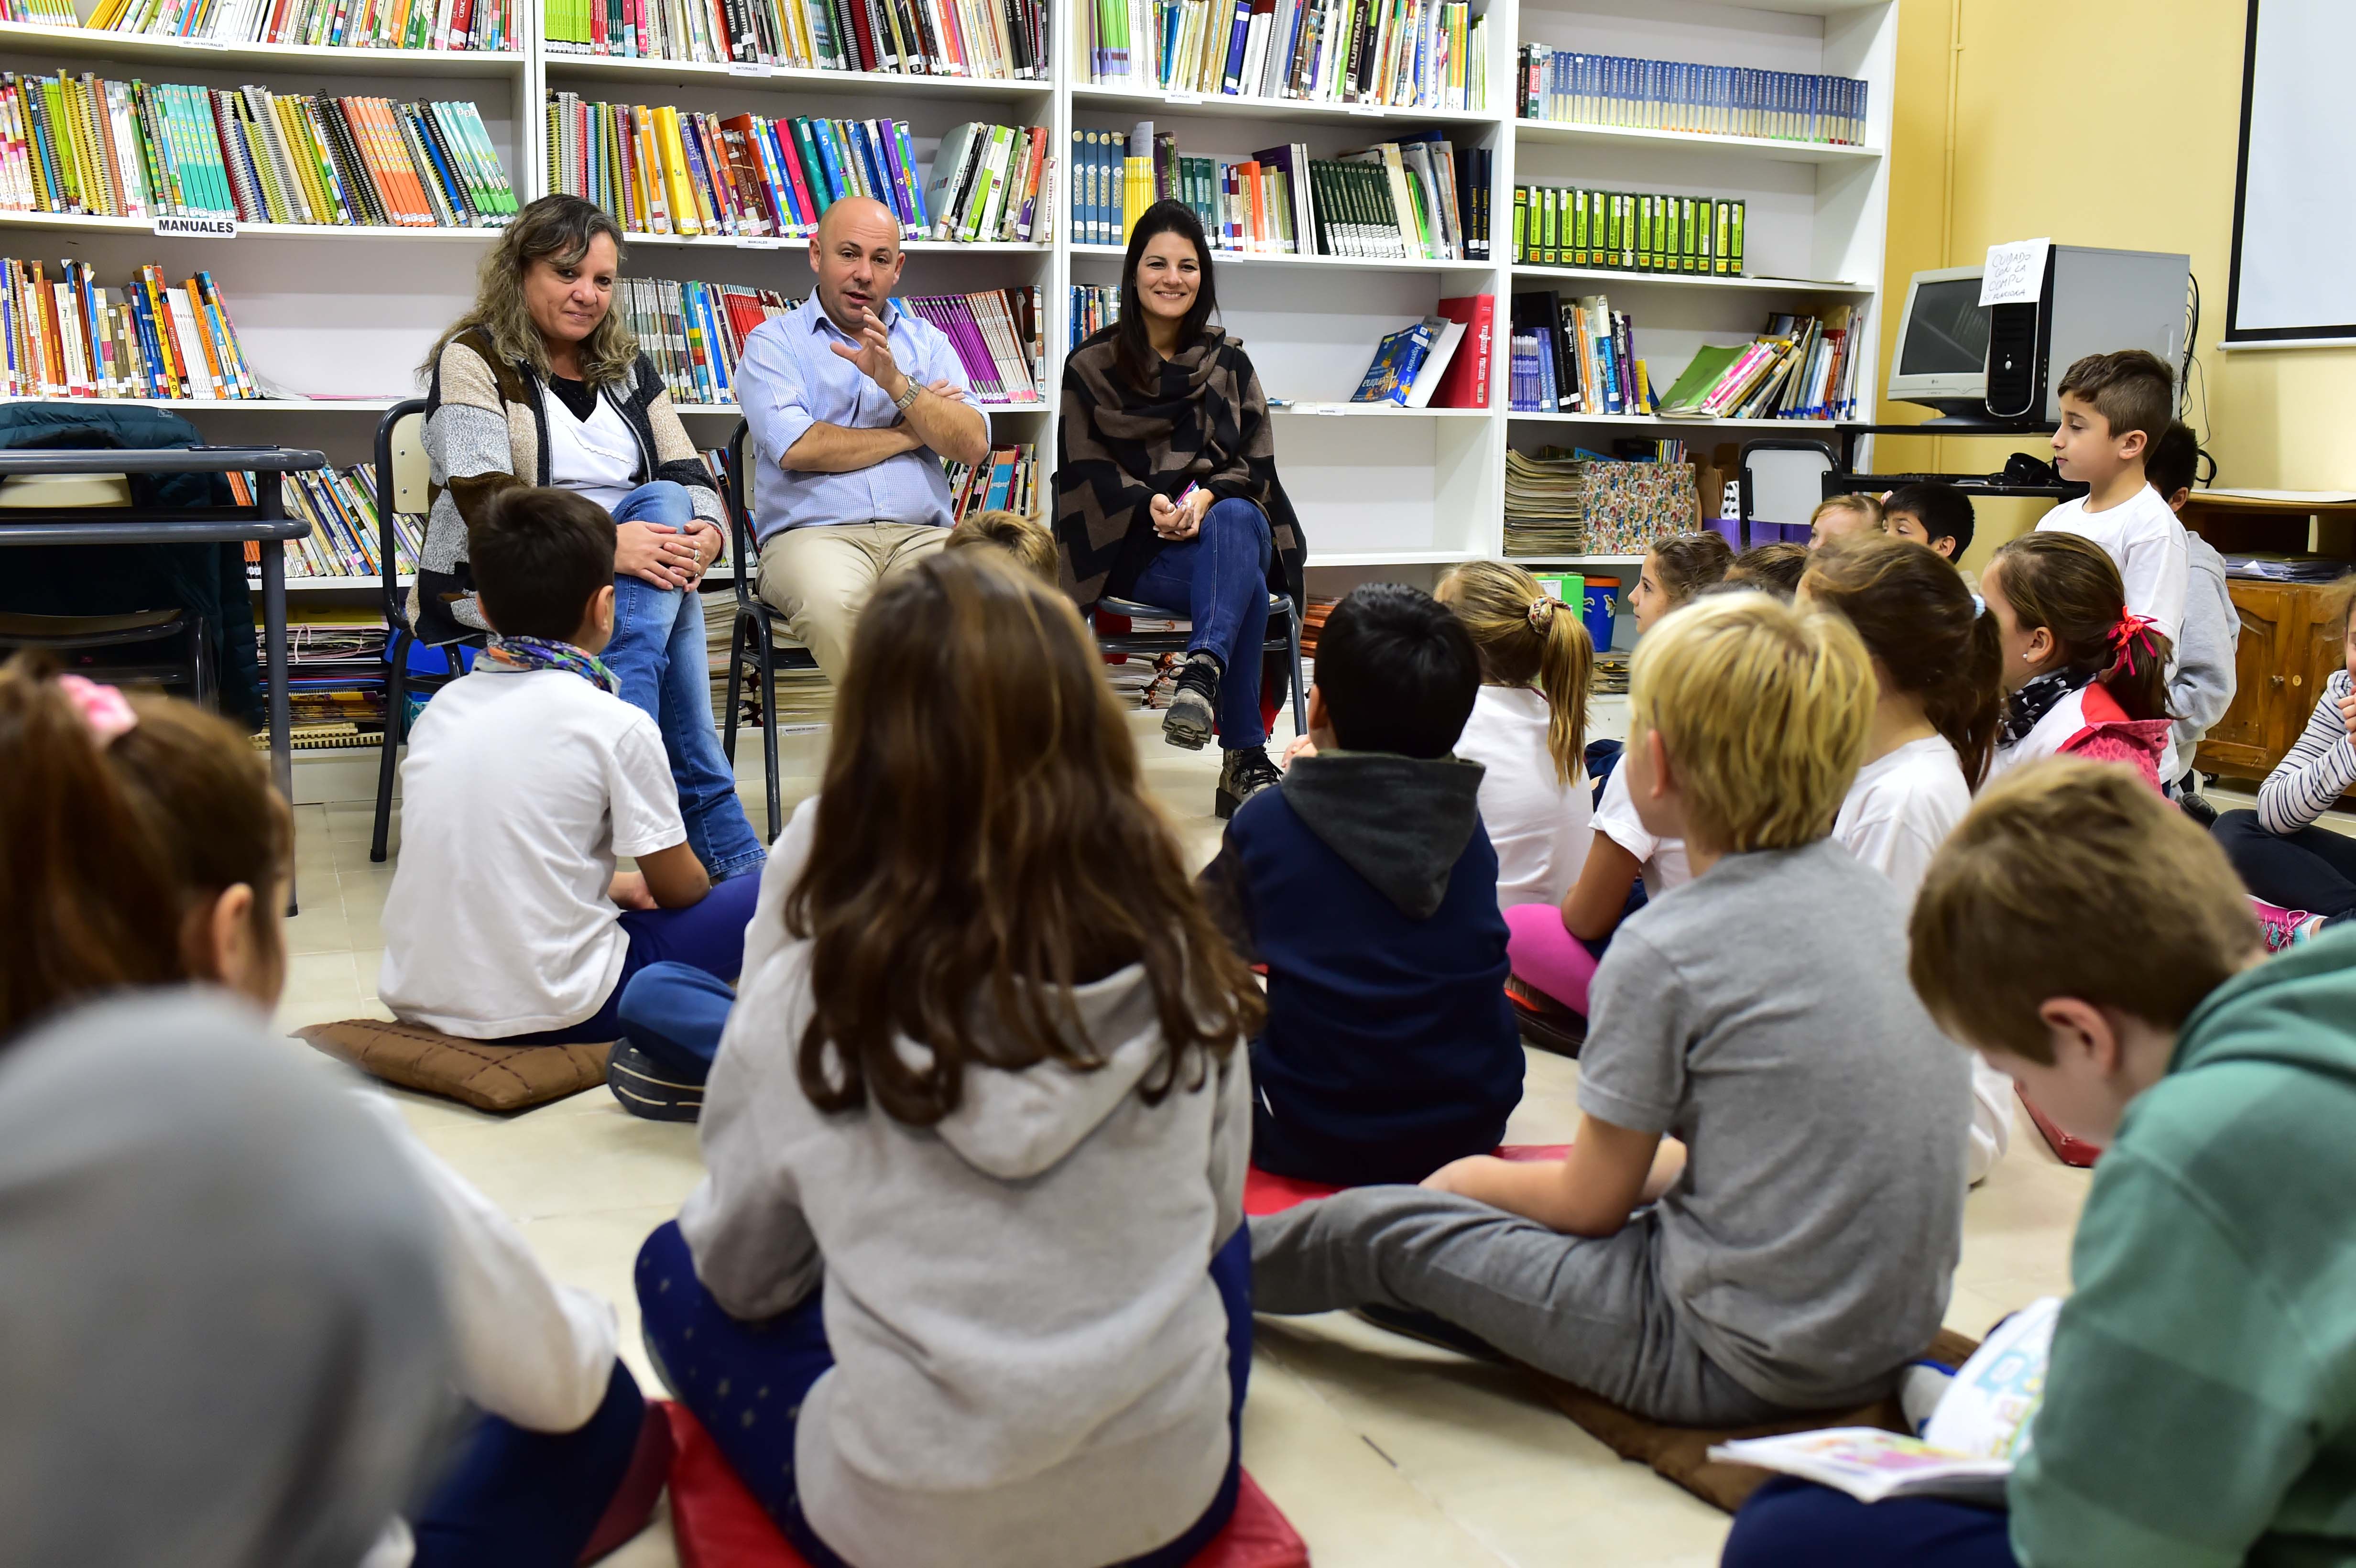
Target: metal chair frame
pixel 752 642
pixel 1285 640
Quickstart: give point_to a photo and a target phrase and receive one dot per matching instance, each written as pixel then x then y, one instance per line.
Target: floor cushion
pixel 1265 1193
pixel 718 1524
pixel 485 1075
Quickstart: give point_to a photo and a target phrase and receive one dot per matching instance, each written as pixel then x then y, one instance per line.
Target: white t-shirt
pixel 2045 737
pixel 521 788
pixel 1901 808
pixel 1662 860
pixel 1537 824
pixel 2147 541
pixel 597 456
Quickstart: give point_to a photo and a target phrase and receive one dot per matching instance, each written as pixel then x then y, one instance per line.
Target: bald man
pixel 853 404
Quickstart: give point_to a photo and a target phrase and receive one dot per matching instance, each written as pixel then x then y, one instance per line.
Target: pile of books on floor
pixel 1095 306
pixel 1423 54
pixel 129 149
pixel 335 678
pixel 344 538
pixel 803 696
pixel 1608 676
pixel 1418 197
pixel 1545 503
pixel 1575 356
pixel 669 171
pixel 1628 231
pixel 336 24
pixel 1007 482
pixel 68 337
pixel 1000 41
pixel 1800 367
pixel 1572 87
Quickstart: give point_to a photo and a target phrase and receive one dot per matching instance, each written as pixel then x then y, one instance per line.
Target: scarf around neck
pixel 543 652
pixel 2035 698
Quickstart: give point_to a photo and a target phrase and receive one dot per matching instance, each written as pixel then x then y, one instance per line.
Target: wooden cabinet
pixel 2288 648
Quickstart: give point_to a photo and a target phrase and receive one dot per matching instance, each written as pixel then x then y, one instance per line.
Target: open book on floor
pixel 1967 1447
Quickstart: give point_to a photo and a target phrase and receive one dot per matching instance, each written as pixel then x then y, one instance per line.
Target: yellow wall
pixel 2112 124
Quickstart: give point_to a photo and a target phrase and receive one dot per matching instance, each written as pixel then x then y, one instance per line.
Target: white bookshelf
pixel 352 312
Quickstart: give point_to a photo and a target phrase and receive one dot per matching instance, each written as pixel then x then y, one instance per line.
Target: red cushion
pixel 1267 1194
pixel 718 1524
pixel 2072 1151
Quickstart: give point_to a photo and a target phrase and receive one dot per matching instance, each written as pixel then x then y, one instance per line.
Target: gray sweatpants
pixel 1589 1311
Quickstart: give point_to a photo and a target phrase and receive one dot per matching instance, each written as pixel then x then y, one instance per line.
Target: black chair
pixel 1283 637
pixel 758 643
pixel 402 485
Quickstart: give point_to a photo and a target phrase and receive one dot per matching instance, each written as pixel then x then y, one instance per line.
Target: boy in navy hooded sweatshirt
pixel 1366 884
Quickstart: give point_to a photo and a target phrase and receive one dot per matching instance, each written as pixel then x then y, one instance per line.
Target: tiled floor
pixel 1384 1452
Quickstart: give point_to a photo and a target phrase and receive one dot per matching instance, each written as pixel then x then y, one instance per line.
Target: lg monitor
pixel 1942 342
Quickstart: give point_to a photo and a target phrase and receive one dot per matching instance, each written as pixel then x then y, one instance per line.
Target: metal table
pixel 265 522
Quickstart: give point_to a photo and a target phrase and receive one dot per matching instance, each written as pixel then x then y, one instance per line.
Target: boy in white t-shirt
pixel 2113 408
pixel 525 780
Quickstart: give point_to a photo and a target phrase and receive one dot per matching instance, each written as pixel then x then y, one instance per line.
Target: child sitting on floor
pixel 1838 517
pixel 1555 952
pixel 1936 514
pixel 1934 717
pixel 2081 674
pixel 965 1283
pixel 2200 1406
pixel 1528 728
pixel 565 1454
pixel 1031 545
pixel 2203 688
pixel 525 779
pixel 1771 567
pixel 1802 1254
pixel 1366 884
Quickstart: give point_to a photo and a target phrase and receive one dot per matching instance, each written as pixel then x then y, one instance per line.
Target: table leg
pixel 273 632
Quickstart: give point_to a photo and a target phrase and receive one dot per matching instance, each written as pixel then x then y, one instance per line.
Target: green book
pixel 1521 222
pixel 1709 364
pixel 1734 245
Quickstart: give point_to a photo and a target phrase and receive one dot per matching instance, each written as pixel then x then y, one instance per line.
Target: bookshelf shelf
pixel 94 222
pixel 1669 422
pixel 1377 411
pixel 1223 260
pixel 1540 131
pixel 729 410
pixel 1128 98
pixel 369 585
pixel 231 405
pixel 198 54
pixel 1576 560
pixel 1318 558
pixel 1614 278
pixel 571 68
pixel 801 247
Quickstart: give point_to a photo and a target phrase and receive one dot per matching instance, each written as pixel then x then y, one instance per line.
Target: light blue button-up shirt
pixel 789 380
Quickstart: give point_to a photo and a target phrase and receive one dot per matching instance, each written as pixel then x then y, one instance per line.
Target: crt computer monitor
pixel 1942 341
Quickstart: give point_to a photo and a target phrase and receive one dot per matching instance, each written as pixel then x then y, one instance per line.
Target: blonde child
pixel 1554 954
pixel 566 1453
pixel 1771 567
pixel 964 1281
pixel 1800 1252
pixel 1838 517
pixel 2081 674
pixel 1528 728
pixel 1024 538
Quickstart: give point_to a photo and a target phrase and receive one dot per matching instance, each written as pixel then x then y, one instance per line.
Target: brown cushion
pixel 487 1076
pixel 1681 1452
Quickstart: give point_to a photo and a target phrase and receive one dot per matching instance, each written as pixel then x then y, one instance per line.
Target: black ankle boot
pixel 1194 704
pixel 1242 774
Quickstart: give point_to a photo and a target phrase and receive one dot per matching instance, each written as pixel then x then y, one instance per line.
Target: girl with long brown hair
pixel 2082 675
pixel 967 1279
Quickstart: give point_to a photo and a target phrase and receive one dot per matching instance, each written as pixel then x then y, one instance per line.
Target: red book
pixel 1465 383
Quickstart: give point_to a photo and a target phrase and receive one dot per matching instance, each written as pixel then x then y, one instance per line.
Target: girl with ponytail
pixel 1528 728
pixel 2082 676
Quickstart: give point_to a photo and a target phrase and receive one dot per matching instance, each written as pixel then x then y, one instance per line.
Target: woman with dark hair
pixel 541 383
pixel 1166 489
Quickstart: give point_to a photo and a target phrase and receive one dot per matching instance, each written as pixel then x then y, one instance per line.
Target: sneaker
pixel 1543 1021
pixel 2282 927
pixel 1194 703
pixel 1243 774
pixel 646 1089
pixel 2189 801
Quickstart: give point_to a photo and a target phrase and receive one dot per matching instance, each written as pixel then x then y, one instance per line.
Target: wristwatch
pixel 904 398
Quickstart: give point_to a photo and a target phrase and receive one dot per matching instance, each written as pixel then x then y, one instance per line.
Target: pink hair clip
pixel 2132 629
pixel 105 710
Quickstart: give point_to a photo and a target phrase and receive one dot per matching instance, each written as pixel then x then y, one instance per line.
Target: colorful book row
pixel 1625 231
pixel 1007 482
pixel 1799 367
pixel 1422 54
pixel 447 25
pixel 1572 87
pixel 996 334
pixel 1094 307
pixel 126 149
pixel 68 337
pixel 1576 355
pixel 990 40
pixel 344 539
pixel 695 332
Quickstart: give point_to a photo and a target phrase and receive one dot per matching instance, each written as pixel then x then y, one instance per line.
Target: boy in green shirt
pixel 2201 1404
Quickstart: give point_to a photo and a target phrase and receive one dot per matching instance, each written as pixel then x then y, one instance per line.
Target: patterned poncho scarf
pixel 1201 420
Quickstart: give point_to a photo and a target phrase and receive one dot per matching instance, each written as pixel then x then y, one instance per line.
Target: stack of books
pixel 335 670
pixel 1545 514
pixel 994 40
pixel 1570 87
pixel 1418 197
pixel 1627 231
pixel 996 334
pixel 1095 306
pixel 127 149
pixel 1576 355
pixel 68 337
pixel 669 171
pixel 1008 481
pixel 336 23
pixel 1420 54
pixel 1571 502
pixel 1800 367
pixel 344 539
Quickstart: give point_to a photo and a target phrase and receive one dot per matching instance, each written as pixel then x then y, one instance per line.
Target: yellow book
pixel 678 185
pixel 1136 193
pixel 657 207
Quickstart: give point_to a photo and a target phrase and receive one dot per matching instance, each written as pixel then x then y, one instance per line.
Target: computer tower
pixel 2093 302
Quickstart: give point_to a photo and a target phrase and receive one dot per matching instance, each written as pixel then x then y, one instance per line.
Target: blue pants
pixel 1218 580
pixel 1792 1523
pixel 708 936
pixel 657 653
pixel 674 1012
pixel 514 1498
pixel 746 1383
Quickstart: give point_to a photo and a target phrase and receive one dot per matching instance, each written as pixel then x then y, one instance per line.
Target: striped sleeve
pixel 2313 773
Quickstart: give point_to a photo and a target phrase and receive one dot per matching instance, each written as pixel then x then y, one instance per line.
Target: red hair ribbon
pixel 2132 629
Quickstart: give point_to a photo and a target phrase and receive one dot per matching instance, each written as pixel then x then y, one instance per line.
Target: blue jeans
pixel 657 653
pixel 708 934
pixel 1792 1523
pixel 518 1498
pixel 1218 580
pixel 674 1012
pixel 703 1353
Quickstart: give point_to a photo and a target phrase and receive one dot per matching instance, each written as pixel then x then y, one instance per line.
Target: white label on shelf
pixel 203 43
pixel 174 228
pixel 751 68
pixel 1334 409
pixel 2015 272
pixel 1372 110
pixel 1182 98
pixel 760 242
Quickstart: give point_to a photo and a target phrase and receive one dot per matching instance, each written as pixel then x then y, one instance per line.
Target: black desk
pixel 265 521
pixel 1846 431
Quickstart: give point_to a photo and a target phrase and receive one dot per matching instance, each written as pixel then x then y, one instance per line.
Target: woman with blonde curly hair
pixel 541 383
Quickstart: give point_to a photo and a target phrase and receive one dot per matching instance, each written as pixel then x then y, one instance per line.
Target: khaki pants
pixel 819 578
